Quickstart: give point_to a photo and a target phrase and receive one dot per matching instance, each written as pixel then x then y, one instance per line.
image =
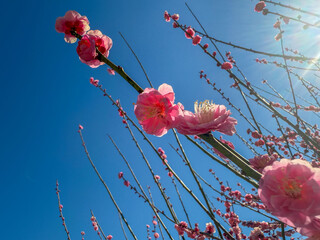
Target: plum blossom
pixel 94 82
pixel 260 6
pixel 286 20
pixel 261 161
pixel 111 71
pixel 277 24
pixel 72 21
pixel 210 229
pixel 207 117
pixel 87 48
pixel 256 234
pixel 226 66
pixel 290 189
pixel 126 183
pixel 312 230
pixel 196 40
pixel 156 111
pixel 167 16
pixel 189 33
pixel 278 36
pixel 181 227
pixel 175 17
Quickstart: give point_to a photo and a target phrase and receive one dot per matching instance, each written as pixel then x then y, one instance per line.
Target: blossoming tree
pixel 283 172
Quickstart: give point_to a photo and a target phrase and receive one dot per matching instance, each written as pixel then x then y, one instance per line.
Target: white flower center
pixel 204 111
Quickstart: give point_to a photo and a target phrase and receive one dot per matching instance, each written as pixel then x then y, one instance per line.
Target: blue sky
pixel 45 94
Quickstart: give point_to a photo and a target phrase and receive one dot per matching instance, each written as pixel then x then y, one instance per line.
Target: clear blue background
pixel 45 94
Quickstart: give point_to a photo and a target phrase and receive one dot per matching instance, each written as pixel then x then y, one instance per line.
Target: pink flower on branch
pixel 207 117
pixel 72 21
pixel 277 24
pixel 286 20
pixel 226 66
pixel 196 40
pixel 278 36
pixel 262 161
pixel 87 48
pixel 94 82
pixel 189 33
pixel 290 189
pixel 167 16
pixel 175 17
pixel 260 6
pixel 111 71
pixel 156 111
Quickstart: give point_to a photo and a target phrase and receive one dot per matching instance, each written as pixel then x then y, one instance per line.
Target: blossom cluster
pixel 157 113
pixel 288 189
pixel 91 44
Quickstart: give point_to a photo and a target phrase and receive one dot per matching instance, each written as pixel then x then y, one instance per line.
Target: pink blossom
pixel 156 235
pixel 260 6
pixel 72 21
pixel 82 233
pixel 157 177
pixel 226 66
pixel 181 227
pixel 290 189
pixel 286 20
pixel 80 127
pixel 120 175
pixel 225 142
pixel 94 82
pixel 175 17
pixel 191 233
pixel 175 25
pixel 109 237
pixel 278 36
pixel 210 228
pixel 87 48
pixel 256 234
pixel 312 229
pixel 277 24
pixel 170 174
pixel 111 71
pixel 248 197
pixel 196 40
pixel 261 161
pixel 156 111
pixel 256 134
pixel 207 117
pixel 189 33
pixel 201 237
pixel 167 16
pixel 126 183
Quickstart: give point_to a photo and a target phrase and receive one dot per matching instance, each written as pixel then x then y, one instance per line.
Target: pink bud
pixel 196 40
pixel 126 183
pixel 111 71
